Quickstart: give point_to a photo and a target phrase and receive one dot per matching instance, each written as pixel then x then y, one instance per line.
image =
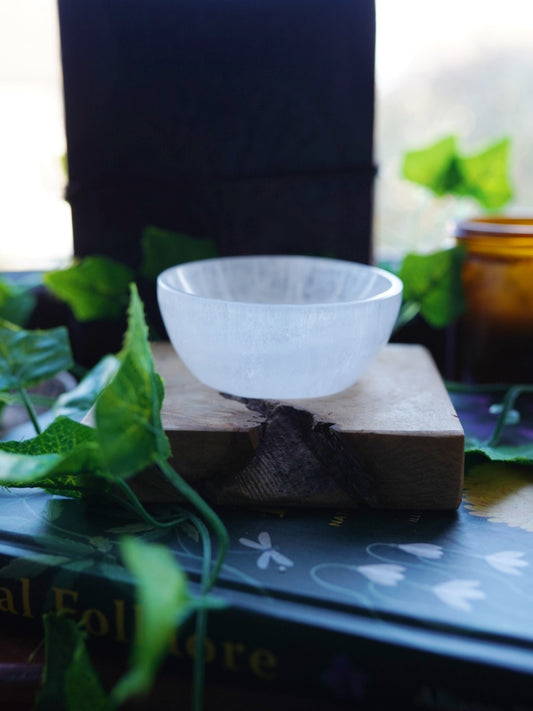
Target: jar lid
pixel 495 226
pixel 498 236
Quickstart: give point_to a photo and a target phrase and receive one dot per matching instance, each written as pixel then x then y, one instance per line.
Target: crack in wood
pixel 299 459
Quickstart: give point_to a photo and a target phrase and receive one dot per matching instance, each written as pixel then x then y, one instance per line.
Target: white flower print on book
pixel 383 573
pixel 457 593
pixel 422 550
pixel 507 562
pixel 269 553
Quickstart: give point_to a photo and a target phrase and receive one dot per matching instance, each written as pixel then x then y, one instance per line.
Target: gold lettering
pixel 60 594
pixel 120 627
pixel 26 608
pixel 263 663
pixel 7 603
pixel 101 628
pixel 230 651
pixel 209 648
pixel 338 519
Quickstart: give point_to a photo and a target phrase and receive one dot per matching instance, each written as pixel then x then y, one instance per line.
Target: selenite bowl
pixel 278 327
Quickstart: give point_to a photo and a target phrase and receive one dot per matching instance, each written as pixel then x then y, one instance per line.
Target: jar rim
pixel 495 225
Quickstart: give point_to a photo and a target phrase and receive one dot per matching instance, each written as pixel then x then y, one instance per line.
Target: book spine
pixel 270 647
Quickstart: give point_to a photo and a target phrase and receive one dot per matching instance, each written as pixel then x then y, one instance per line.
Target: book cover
pixel 431 609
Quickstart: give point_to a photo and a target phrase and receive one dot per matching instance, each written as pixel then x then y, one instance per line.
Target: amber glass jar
pixel 495 335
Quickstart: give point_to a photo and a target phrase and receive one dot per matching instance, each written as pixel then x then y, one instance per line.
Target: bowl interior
pixel 280 280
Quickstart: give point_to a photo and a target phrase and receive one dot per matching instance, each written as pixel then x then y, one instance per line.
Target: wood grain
pixel 393 440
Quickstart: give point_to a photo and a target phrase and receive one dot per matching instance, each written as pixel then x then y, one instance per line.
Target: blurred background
pixel 460 67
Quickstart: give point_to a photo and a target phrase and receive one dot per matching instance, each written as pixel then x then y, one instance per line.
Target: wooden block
pixel 393 440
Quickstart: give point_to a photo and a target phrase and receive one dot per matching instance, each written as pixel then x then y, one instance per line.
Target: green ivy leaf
pixel 517 453
pixel 16 303
pixel 30 357
pixel 62 436
pixel 129 434
pixel 485 175
pixel 128 411
pixel 9 398
pixel 77 402
pixel 5 292
pixel 65 458
pixel 70 681
pixel 24 470
pixel 94 288
pixel 164 601
pixel 434 167
pixel 443 170
pixel 433 282
pixel 164 248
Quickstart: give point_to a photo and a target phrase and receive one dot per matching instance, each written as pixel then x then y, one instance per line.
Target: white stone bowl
pixel 278 327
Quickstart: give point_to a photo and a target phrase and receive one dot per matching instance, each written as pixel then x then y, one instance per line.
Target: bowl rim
pixel 394 288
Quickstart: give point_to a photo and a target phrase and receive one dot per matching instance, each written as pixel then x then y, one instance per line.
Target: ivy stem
pixel 207 513
pixel 201 622
pixel 138 508
pixel 30 409
pixel 199 660
pixel 208 578
pixel 508 401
